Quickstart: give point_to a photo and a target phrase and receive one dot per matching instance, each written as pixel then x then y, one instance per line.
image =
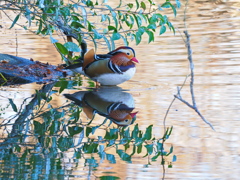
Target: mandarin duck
pixel 108 102
pixel 112 68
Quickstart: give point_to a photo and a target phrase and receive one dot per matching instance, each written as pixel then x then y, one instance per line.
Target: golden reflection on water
pixel 202 153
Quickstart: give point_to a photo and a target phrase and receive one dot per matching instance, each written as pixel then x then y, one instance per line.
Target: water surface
pixel 201 152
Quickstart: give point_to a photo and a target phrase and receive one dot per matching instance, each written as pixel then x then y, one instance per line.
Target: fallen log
pixel 16 70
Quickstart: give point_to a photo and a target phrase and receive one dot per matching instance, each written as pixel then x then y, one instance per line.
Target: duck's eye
pixel 126 120
pixel 128 53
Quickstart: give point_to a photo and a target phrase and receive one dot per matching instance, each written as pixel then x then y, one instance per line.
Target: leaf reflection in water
pixel 41 136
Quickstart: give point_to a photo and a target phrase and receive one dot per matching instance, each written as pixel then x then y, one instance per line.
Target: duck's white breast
pixel 111 79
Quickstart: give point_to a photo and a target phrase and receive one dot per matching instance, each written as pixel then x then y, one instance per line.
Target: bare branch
pixel 191 64
pixel 178 96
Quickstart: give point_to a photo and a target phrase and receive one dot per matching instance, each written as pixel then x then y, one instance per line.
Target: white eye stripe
pixel 126 51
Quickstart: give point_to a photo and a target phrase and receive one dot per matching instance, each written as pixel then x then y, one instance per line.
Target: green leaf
pixel 89 3
pixel 152 26
pixel 95 43
pixel 53 40
pixel 61 48
pixel 171 27
pixel 166 5
pixel 137 4
pixel 54 127
pixel 139 148
pixel 169 133
pixel 14 107
pixel 109 7
pixel 160 146
pixel 170 151
pixel 39 27
pixel 138 20
pixel 143 5
pixel 74 130
pixel 96 34
pixel 39 128
pixel 103 17
pixel 174 159
pixel 178 3
pixel 114 133
pixel 77 25
pixel 64 143
pixel 15 20
pixel 135 132
pixel 142 30
pixel 94 129
pixel 149 148
pixel 148 133
pixel 120 3
pixel 113 14
pixel 144 17
pixel 154 19
pixel 116 36
pixel 124 156
pixel 126 43
pixel 63 85
pixel 77 154
pixel 111 158
pixel 88 131
pixel 112 44
pixel 108 177
pixel 150 1
pixel 131 22
pixel 174 10
pixel 110 28
pixel 27 14
pixel 125 132
pixel 107 135
pixel 84 14
pixel 79 39
pixel 154 158
pixel 107 42
pixel 90 26
pixel 163 29
pixel 151 36
pixel 133 151
pixel 130 5
pixel 138 38
pixel 71 46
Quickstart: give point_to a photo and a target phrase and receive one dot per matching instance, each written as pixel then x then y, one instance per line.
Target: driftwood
pixel 17 70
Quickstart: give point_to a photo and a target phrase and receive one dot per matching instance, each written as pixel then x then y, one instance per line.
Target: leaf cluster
pixel 92 20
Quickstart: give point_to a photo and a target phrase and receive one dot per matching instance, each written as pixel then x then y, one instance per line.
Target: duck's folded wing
pixel 74 66
pixel 102 56
pixel 98 68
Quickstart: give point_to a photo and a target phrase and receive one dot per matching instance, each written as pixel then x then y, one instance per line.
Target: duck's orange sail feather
pixel 88 58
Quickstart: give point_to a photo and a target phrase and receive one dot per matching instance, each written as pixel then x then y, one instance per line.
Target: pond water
pixel 44 138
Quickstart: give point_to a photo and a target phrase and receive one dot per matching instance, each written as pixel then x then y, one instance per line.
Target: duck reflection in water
pixel 110 102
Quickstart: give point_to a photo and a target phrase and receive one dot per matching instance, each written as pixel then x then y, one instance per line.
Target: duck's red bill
pixel 135 60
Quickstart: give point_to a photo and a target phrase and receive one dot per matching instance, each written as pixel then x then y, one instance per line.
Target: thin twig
pixel 178 96
pixel 191 66
pixel 169 107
